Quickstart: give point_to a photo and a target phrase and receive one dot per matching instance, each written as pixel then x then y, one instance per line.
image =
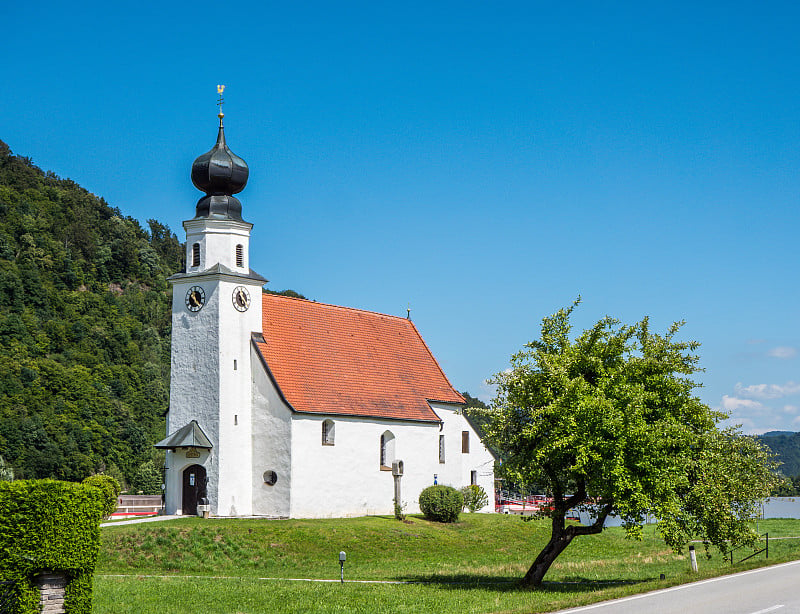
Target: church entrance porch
pixel 194 488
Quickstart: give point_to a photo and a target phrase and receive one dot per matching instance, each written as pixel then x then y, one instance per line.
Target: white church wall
pixel 234 494
pixel 345 479
pixel 218 240
pixel 272 451
pixel 194 378
pixel 211 381
pixel 458 466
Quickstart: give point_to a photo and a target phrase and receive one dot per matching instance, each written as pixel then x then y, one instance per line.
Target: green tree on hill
pixel 609 420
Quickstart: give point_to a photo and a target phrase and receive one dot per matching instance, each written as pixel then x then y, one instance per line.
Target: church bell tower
pixel 216 307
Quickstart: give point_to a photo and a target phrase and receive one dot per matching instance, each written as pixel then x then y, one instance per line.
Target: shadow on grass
pixel 571 584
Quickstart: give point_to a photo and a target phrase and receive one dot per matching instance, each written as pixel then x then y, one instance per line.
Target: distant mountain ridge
pixel 786 445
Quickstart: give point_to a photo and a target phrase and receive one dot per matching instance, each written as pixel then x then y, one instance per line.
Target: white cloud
pixel 783 351
pixel 733 405
pixel 767 391
pixel 760 413
pixel 487 392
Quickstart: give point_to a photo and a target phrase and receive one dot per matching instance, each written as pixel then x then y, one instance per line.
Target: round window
pixel 270 477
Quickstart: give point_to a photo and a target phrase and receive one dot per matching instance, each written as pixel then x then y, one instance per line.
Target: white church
pixel 284 407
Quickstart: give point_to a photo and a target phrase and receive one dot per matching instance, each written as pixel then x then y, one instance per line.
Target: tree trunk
pixel 561 537
pixel 559 540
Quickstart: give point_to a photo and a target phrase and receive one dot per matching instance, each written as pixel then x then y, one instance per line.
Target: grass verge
pixel 469 566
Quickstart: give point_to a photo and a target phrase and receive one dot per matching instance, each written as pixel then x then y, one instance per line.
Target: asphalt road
pixel 759 591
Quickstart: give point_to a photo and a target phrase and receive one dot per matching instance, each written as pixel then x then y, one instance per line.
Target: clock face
pixel 195 298
pixel 241 298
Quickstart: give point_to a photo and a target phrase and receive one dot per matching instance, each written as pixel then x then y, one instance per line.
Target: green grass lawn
pixel 469 566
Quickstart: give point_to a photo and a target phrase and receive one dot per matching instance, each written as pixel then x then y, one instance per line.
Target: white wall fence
pixel 137 505
pixel 774 507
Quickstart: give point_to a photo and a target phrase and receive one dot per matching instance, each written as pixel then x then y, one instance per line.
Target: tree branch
pixel 577 497
pixel 597 526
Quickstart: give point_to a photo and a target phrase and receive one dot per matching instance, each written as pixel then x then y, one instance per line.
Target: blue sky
pixel 484 162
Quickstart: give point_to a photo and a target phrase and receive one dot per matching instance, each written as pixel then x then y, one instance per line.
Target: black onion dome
pixel 220 173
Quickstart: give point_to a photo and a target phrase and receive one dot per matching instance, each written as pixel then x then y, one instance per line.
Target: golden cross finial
pixel 220 102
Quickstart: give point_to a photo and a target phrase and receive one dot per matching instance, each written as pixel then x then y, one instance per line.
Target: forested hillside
pixel 786 445
pixel 84 328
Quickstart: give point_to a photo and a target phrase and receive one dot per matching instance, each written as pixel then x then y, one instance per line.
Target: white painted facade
pixel 317 480
pixel 346 478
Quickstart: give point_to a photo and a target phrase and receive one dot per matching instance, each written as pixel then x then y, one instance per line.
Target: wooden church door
pixel 194 487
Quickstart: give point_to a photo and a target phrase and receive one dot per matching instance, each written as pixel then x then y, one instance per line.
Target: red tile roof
pixel 336 360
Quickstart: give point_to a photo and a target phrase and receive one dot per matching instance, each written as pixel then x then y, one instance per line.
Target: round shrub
pixel 475 497
pixel 110 489
pixel 441 503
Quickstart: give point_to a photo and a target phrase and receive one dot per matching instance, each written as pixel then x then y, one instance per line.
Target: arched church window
pixel 327 433
pixel 387 451
pixel 196 254
pixel 239 255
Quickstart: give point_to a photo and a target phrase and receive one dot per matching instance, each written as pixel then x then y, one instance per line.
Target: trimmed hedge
pixel 441 503
pixel 109 487
pixel 47 525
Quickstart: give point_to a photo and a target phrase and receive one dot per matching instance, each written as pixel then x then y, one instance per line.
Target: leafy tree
pixel 147 479
pixel 6 472
pixel 475 497
pixel 609 420
pixel 789 487
pixel 473 401
pixel 289 293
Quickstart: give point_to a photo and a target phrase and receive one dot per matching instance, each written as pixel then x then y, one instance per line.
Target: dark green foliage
pixel 290 293
pixel 790 487
pixel 475 497
pixel 147 479
pixel 49 525
pixel 441 503
pixel 473 401
pixel 109 487
pixel 399 514
pixel 84 328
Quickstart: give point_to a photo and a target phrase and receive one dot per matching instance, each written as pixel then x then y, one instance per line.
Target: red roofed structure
pixel 334 360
